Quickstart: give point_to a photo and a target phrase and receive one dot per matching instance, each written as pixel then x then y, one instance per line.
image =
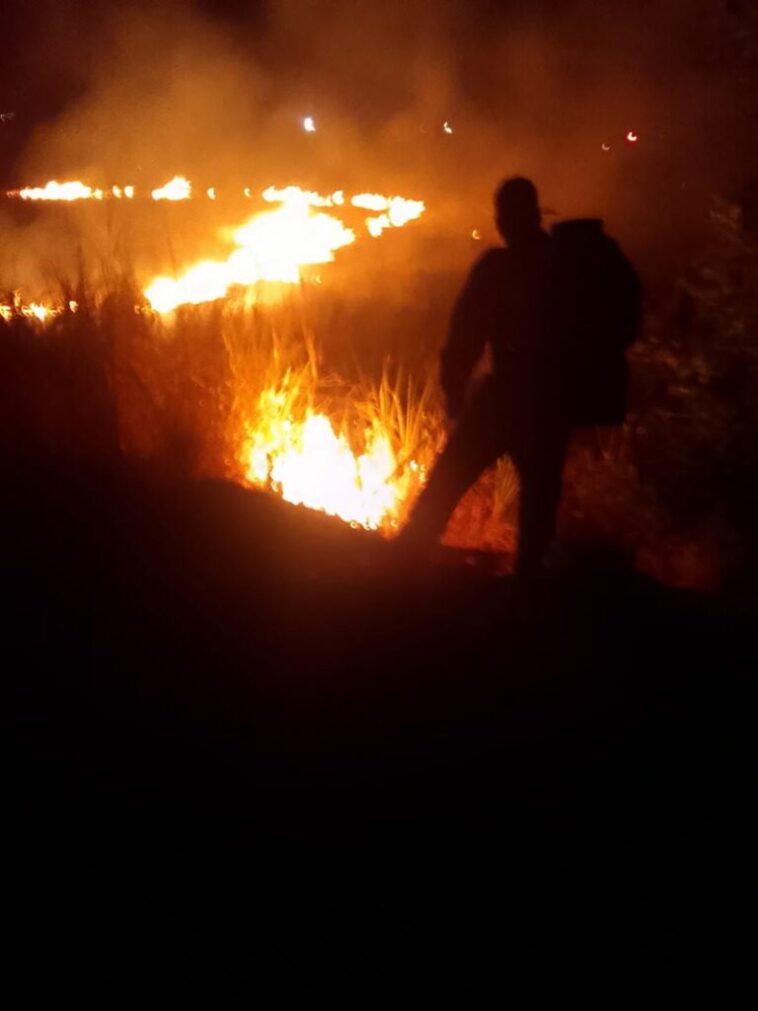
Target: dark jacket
pixel 507 303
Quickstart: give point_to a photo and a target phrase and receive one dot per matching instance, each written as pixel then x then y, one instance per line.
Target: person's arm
pixel 467 335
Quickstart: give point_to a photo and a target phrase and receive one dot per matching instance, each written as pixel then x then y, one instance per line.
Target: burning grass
pixel 269 395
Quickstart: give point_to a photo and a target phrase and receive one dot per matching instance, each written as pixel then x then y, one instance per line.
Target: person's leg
pixel 471 449
pixel 540 466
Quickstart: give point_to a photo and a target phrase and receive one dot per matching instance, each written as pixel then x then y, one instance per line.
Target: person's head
pixel 517 211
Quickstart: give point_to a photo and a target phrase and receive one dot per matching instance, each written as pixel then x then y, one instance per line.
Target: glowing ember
pixel 177 188
pixel 309 124
pixel 447 127
pixel 632 137
pixel 129 192
pixel 605 147
pixel 272 246
pixel 309 464
pixel 211 191
pixel 54 190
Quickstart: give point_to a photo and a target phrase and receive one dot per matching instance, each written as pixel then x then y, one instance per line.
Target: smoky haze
pixel 217 92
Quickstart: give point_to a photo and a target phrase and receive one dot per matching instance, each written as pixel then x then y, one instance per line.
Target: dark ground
pixel 255 762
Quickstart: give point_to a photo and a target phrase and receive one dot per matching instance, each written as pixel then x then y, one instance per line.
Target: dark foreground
pixel 254 761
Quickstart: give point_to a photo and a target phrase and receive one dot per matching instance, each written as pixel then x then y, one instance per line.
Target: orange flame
pixel 272 246
pixel 308 463
pixel 31 310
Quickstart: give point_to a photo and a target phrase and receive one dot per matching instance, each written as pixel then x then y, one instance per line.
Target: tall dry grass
pixel 183 393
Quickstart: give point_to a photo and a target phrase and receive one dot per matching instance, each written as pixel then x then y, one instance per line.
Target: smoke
pixel 217 92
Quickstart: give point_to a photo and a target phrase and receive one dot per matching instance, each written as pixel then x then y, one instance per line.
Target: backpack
pixel 598 305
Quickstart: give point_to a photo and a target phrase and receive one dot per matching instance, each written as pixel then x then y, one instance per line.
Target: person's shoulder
pixel 492 261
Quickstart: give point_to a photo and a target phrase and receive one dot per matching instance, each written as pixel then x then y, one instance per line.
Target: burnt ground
pixel 257 760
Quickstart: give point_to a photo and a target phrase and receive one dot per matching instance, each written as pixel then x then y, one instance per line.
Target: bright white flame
pixel 377 225
pixel 177 188
pixel 53 190
pixel 293 194
pixel 399 211
pixel 402 211
pixel 309 464
pixel 370 201
pixel 309 124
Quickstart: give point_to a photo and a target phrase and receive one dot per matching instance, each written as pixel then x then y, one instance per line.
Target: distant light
pixel 605 147
pixel 247 192
pixel 309 124
pixel 211 192
pixel 6 117
pixel 632 137
pixel 447 127
pixel 476 234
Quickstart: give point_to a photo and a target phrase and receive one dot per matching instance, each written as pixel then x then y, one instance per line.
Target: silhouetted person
pixel 506 303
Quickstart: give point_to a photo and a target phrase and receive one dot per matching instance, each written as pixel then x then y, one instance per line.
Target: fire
pixel 71 190
pixel 54 190
pixel 272 246
pixel 293 194
pixel 309 464
pixel 309 124
pixel 632 137
pixel 177 188
pixel 33 310
pixel 398 211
